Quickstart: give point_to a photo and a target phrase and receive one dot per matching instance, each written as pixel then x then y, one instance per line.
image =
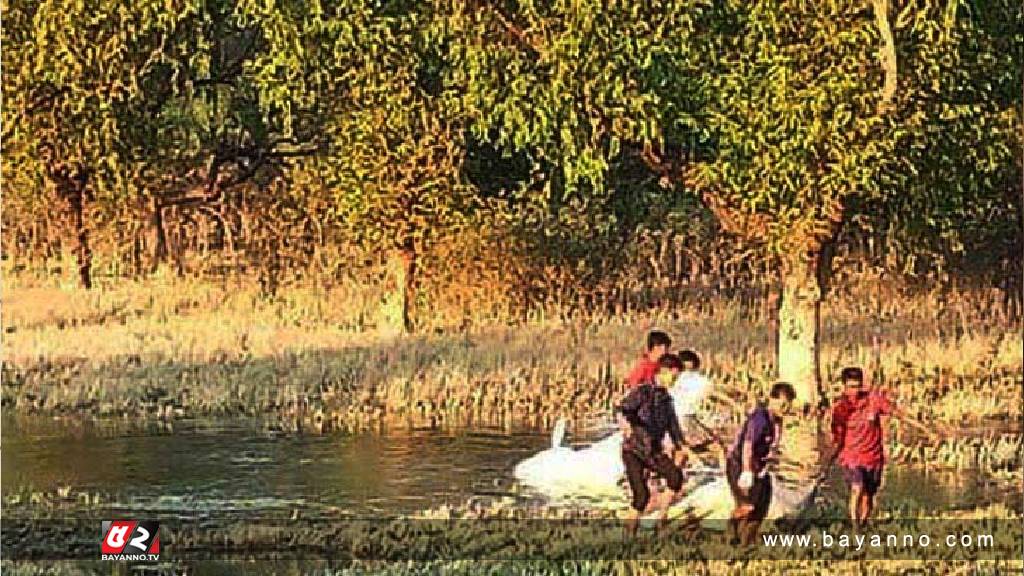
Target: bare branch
pixel 886 54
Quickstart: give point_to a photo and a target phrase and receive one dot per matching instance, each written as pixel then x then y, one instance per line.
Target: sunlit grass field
pixel 173 347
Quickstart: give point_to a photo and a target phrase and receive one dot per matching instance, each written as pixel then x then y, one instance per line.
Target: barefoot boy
pixel 747 460
pixel 648 415
pixel 857 434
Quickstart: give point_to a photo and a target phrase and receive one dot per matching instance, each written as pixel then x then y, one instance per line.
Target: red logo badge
pixel 130 540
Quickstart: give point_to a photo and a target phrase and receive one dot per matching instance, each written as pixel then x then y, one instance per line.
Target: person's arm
pixel 723 449
pixel 838 433
pixel 747 457
pixel 773 449
pixel 674 430
pixel 626 411
pixel 912 422
pixel 886 408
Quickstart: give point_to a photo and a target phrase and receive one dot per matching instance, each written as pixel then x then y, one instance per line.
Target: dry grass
pixel 170 347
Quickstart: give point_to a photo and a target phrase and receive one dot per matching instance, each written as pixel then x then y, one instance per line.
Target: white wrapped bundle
pixel 714 500
pixel 560 471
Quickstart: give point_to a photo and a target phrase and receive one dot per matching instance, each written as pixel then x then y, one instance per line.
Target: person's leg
pixel 856 503
pixel 637 478
pixel 866 495
pixel 865 507
pixel 732 473
pixel 761 498
pixel 855 481
pixel 749 530
pixel 872 483
pixel 673 476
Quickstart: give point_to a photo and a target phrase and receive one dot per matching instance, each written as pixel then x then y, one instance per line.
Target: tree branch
pixel 516 32
pixel 886 54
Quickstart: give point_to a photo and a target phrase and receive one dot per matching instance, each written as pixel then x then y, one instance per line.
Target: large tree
pixel 394 134
pixel 74 73
pixel 788 119
pixel 164 104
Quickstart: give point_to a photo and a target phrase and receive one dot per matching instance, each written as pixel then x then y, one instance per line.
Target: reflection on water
pixel 216 467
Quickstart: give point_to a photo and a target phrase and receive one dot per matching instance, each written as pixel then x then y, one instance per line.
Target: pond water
pixel 221 466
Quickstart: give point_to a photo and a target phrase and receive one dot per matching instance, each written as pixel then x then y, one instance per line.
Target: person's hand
pixel 746 480
pixel 679 458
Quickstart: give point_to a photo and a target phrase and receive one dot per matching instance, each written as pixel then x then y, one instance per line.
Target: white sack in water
pixel 561 471
pixel 596 469
pixel 714 500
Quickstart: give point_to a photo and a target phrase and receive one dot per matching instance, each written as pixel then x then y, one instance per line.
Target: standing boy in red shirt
pixel 646 369
pixel 857 422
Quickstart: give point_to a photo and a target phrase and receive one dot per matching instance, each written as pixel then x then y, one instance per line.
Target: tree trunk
pixel 886 54
pixel 799 323
pixel 401 293
pixel 157 235
pixel 76 202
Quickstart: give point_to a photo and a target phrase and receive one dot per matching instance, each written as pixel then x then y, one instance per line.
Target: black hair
pixel 690 357
pixel 852 373
pixel 783 389
pixel 657 338
pixel 670 362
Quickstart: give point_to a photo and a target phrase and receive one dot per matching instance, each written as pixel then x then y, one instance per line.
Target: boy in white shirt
pixel 690 389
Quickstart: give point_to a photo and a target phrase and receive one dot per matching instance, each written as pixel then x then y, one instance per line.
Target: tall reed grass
pixel 171 347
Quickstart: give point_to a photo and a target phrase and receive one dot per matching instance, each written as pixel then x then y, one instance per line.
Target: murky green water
pixel 216 467
pixel 210 466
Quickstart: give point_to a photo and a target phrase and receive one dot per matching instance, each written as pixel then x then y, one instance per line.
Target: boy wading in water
pixel 647 415
pixel 646 369
pixel 746 463
pixel 857 422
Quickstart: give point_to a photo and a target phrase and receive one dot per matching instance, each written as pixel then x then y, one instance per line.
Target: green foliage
pixel 75 73
pixel 394 137
pixel 773 110
pixel 955 186
pixel 560 132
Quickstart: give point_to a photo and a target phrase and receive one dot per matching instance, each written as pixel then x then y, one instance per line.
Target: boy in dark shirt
pixel 747 460
pixel 648 415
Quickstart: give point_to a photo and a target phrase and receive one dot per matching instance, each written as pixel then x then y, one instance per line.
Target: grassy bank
pixel 174 348
pixel 503 539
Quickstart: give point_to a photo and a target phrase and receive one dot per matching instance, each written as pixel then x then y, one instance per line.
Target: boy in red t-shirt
pixel 857 422
pixel 646 369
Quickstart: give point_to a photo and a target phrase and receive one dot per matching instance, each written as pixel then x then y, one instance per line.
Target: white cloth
pixel 593 472
pixel 560 471
pixel 714 500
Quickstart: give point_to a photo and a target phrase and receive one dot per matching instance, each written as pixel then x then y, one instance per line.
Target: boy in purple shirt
pixel 747 460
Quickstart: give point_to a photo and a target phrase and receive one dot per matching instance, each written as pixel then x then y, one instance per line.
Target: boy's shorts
pixel 869 478
pixel 757 499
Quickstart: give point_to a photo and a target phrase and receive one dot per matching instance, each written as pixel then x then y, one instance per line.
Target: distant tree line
pixel 525 146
